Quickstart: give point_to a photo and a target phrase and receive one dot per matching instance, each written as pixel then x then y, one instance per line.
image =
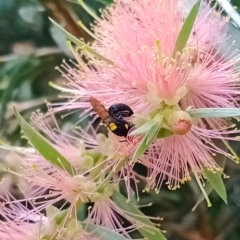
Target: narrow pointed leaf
pixel 221 161
pixel 152 133
pixel 81 44
pixel 102 233
pixel 214 112
pixel 143 129
pixel 82 212
pixel 43 146
pixel 149 231
pixel 164 132
pixel 88 9
pixel 141 148
pixel 187 28
pixel 106 2
pixel 216 182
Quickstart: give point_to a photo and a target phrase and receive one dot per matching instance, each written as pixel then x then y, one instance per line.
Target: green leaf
pixel 143 129
pixel 81 44
pixel 143 146
pixel 146 141
pixel 89 9
pixel 164 132
pixel 148 230
pixel 152 133
pixel 152 129
pixel 18 72
pixel 236 3
pixel 105 2
pixel 43 146
pixel 82 212
pixel 214 112
pixel 216 182
pixel 221 161
pixel 187 28
pixel 102 233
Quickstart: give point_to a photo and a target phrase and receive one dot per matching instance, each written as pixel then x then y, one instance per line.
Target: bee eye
pixel 120 110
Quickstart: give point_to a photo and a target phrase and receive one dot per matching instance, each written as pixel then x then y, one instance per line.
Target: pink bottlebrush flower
pixel 172 159
pixel 71 146
pixel 53 184
pixel 105 212
pixel 140 38
pixel 20 224
pixel 47 187
pixel 97 163
pixel 31 231
pixel 75 146
pixel 24 224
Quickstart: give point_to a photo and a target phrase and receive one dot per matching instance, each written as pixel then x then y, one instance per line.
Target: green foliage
pixel 105 2
pixel 214 112
pixel 43 146
pixel 16 73
pixel 80 43
pixel 146 227
pixel 163 133
pixel 236 3
pixel 187 28
pixel 143 146
pixel 102 233
pixel 216 182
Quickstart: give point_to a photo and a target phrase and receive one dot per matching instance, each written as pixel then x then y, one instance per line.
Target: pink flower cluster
pixel 147 75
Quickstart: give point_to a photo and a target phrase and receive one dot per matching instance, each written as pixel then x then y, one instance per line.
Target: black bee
pixel 113 118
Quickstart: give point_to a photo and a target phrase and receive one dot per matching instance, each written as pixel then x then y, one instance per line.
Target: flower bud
pixel 108 191
pixel 88 162
pixel 73 227
pixel 180 122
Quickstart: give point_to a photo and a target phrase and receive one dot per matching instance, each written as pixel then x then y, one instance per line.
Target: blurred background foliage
pixel 30 49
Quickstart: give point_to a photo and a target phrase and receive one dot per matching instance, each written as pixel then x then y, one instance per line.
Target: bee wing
pixel 99 108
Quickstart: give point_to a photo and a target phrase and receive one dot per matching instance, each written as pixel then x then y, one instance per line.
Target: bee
pixel 113 118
